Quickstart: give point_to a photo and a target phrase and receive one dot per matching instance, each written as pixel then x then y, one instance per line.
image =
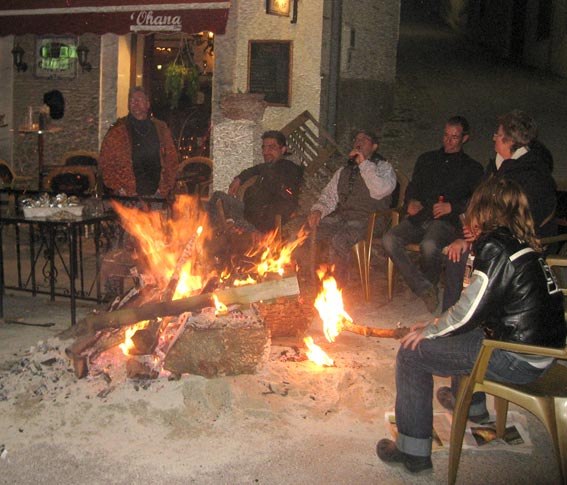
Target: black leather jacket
pixel 512 295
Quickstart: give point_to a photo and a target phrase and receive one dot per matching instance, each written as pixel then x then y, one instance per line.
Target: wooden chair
pixel 12 181
pixel 546 397
pixel 81 158
pixel 72 180
pixel 194 176
pixel 363 249
pixel 310 144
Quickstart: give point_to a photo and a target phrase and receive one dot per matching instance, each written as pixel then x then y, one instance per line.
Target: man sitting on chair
pixel 274 192
pixel 355 191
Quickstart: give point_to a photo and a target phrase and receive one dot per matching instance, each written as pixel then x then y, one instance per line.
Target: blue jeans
pixel 454 274
pixel 233 209
pixel 444 356
pixel 432 237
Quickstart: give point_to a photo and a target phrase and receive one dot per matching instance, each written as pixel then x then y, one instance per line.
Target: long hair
pixel 499 202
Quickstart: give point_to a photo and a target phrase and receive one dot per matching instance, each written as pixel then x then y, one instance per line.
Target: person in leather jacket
pixel 512 296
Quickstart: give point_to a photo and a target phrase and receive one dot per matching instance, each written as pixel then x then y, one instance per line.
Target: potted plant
pixel 181 76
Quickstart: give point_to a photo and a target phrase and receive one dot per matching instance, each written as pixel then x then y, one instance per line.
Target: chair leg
pixel 561 427
pixel 460 418
pixel 501 407
pixel 360 250
pixel 390 279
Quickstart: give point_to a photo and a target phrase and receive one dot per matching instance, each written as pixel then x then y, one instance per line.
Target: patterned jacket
pixel 115 160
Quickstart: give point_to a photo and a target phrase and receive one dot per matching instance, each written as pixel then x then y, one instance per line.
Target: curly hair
pixel 499 202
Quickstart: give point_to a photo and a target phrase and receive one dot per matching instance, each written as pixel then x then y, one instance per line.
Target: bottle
pixel 468 270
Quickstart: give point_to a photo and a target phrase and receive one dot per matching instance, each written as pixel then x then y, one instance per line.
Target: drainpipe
pixel 335 65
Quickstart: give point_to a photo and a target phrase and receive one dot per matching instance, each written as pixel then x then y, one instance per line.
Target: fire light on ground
pixel 329 304
pixel 317 354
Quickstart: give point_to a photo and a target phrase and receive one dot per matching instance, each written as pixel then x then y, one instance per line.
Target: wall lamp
pixel 83 54
pixel 18 55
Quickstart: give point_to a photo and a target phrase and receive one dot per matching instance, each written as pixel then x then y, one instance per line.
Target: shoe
pixel 430 299
pixel 447 400
pixel 388 452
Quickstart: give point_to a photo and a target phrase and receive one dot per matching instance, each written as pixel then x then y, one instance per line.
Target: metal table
pixel 53 239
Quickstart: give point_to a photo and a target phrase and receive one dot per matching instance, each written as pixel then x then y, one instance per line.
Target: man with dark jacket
pixel 355 191
pixel 275 190
pixel 442 183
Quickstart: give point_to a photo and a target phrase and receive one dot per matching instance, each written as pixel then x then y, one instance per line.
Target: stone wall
pixel 79 125
pixel 368 65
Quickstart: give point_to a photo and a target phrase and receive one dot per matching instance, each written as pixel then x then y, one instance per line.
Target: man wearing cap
pixel 356 190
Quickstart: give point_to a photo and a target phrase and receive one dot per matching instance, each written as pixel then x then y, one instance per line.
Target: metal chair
pixel 363 249
pixel 81 158
pixel 546 397
pixel 12 181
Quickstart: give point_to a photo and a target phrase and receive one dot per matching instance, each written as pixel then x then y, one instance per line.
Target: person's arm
pixel 329 197
pixel 380 178
pixel 115 161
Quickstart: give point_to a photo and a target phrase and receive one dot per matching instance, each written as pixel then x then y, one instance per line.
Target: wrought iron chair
pixel 546 398
pixel 12 181
pixel 83 158
pixel 195 176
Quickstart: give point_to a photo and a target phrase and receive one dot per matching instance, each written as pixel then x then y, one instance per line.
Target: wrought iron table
pixel 61 243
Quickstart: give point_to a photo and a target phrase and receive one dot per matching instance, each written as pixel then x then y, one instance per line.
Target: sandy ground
pixel 291 422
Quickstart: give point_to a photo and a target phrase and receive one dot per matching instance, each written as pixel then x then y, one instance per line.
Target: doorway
pixel 178 71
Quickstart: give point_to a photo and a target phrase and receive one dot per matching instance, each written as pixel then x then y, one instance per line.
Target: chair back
pixel 73 180
pixel 309 143
pixel 81 158
pixel 194 176
pixel 7 175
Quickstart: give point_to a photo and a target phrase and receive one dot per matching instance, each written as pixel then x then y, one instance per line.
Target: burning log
pixel 229 296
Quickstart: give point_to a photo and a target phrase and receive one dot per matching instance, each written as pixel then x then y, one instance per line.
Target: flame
pixel 130 331
pixel 317 354
pixel 248 281
pixel 221 308
pixel 162 240
pixel 275 253
pixel 329 304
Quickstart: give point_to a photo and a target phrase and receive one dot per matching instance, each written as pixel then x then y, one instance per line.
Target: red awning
pixel 60 17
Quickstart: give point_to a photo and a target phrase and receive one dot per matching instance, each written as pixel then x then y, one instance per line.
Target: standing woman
pixel 511 297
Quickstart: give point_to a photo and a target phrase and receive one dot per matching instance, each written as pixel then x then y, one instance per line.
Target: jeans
pixel 432 236
pixel 342 236
pixel 444 356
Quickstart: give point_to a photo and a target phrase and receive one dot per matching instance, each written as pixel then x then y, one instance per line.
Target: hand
pixel 234 186
pixel 456 249
pixel 414 337
pixel 414 206
pixel 441 209
pixel 469 235
pixel 356 155
pixel 314 218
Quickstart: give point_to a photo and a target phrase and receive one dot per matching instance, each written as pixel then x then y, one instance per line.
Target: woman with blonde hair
pixel 512 296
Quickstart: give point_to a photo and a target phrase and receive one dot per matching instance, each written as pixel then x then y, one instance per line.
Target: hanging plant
pixel 181 76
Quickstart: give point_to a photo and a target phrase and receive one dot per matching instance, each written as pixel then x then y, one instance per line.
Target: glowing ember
pixel 221 308
pixel 317 354
pixel 329 304
pixel 130 331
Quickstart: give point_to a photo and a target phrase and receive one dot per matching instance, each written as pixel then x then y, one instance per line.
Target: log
pixel 229 296
pixel 396 333
pixel 215 352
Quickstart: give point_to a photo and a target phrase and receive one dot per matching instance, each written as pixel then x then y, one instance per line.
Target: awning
pixel 60 17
